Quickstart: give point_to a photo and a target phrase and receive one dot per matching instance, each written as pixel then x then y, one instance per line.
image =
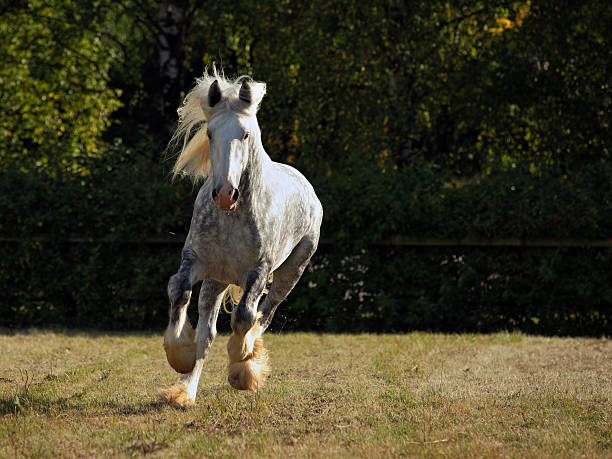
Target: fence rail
pixel 397 241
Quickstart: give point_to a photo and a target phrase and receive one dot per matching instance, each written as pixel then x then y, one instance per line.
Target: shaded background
pixel 461 151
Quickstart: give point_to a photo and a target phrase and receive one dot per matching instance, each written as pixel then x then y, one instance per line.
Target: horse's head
pixel 227 109
pixel 232 132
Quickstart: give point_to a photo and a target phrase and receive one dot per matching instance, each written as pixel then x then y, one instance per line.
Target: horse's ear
pixel 245 93
pixel 251 93
pixel 214 94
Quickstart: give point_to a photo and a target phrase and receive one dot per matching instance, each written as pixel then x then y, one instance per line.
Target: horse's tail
pixel 234 293
pixel 231 298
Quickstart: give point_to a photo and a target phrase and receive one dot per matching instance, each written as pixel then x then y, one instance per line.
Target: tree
pixel 55 99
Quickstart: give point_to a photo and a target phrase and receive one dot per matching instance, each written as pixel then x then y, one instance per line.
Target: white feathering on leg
pixel 248 367
pixel 179 344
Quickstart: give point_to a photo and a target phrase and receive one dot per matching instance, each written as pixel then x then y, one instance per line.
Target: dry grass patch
pixel 94 394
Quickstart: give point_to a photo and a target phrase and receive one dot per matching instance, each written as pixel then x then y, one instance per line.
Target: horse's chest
pixel 229 251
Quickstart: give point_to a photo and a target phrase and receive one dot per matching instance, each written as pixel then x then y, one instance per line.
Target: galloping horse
pixel 252 217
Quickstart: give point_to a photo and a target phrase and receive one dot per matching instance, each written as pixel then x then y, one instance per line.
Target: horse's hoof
pixel 241 377
pixel 181 356
pixel 181 350
pixel 176 394
pixel 234 381
pixel 249 374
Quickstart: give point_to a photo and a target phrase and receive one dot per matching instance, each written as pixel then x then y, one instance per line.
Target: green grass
pixel 95 394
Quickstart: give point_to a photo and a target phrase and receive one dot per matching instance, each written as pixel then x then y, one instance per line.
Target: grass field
pixel 92 394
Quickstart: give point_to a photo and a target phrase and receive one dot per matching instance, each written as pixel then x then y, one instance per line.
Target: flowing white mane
pixel 194 158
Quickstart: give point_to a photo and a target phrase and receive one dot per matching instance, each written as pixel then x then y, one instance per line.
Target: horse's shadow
pixel 19 403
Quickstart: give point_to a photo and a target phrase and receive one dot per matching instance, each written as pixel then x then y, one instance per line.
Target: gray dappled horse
pixel 252 217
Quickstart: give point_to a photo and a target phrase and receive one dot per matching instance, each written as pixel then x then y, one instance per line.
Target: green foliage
pixel 55 101
pixel 472 87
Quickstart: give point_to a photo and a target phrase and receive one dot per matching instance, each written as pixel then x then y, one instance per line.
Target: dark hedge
pixel 88 251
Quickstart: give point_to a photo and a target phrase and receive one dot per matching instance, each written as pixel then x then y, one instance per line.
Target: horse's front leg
pixel 211 296
pixel 248 358
pixel 244 315
pixel 179 336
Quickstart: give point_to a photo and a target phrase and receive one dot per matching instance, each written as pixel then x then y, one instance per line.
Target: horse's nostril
pixel 234 195
pixel 214 193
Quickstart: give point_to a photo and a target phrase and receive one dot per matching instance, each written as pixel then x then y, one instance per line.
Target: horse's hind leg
pixel 179 337
pixel 211 296
pixel 286 276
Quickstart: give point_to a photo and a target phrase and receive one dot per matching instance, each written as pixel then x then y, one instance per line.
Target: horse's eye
pixel 246 135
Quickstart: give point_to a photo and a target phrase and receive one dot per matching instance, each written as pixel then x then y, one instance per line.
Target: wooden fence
pixel 397 241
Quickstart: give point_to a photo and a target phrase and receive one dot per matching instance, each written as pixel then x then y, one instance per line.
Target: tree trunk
pixel 170 39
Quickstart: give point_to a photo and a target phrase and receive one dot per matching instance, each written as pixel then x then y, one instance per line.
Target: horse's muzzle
pixel 225 197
